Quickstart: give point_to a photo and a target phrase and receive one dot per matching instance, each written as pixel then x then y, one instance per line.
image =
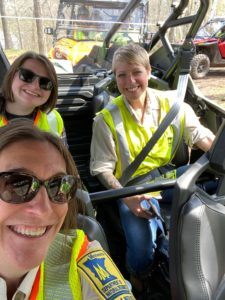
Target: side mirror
pixel 48 30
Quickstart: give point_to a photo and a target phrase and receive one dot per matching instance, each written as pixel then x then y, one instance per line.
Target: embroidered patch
pixel 104 276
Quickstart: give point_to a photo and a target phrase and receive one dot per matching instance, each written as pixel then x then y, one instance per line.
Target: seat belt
pixel 185 57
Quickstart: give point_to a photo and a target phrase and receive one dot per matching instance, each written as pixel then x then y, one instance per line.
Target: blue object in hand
pixel 147 205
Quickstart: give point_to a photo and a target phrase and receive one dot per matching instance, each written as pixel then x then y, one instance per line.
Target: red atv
pixel 210 48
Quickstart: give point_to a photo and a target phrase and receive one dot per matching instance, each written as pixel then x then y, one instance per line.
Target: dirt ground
pixel 213 85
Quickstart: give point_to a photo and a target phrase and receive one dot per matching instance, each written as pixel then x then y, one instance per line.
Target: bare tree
pixel 159 6
pixel 213 9
pixel 18 26
pixel 5 26
pixel 39 24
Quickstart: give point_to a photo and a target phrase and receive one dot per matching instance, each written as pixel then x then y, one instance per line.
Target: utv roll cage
pixel 120 5
pixel 172 56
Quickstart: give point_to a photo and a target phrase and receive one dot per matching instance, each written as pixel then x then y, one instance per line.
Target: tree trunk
pixel 5 26
pixel 213 9
pixel 18 26
pixel 159 7
pixel 40 27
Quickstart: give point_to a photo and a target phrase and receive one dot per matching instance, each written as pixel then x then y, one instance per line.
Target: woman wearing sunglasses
pixel 30 90
pixel 37 199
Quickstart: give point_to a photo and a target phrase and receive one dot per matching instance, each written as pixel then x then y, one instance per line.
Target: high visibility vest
pixel 51 122
pixel 51 281
pixel 59 275
pixel 130 137
pixel 79 35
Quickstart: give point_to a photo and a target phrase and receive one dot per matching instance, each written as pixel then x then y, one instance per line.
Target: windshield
pixel 210 29
pixel 82 26
pixel 94 19
pixel 87 22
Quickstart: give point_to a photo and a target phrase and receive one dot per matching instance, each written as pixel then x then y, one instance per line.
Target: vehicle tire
pixel 200 65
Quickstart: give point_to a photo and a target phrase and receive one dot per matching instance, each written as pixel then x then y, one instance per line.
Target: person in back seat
pixel 38 182
pixel 30 90
pixel 121 130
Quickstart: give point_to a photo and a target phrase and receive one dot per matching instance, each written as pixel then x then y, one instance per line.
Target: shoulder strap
pixel 186 55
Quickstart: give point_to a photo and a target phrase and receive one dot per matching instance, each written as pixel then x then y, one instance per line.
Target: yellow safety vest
pixel 58 277
pixel 130 137
pixel 51 122
pixel 52 281
pixel 79 35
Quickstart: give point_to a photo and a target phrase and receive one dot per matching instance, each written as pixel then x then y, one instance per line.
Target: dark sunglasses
pixel 29 76
pixel 17 187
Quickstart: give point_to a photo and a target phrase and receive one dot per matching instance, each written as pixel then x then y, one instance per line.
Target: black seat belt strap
pixel 128 172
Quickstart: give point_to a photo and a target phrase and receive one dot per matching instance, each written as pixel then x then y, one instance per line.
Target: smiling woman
pixel 37 199
pixel 121 130
pixel 30 91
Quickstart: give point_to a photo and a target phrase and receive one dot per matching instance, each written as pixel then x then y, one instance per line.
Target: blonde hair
pixel 131 54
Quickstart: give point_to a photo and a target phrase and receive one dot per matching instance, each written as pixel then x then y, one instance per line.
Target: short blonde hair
pixel 131 54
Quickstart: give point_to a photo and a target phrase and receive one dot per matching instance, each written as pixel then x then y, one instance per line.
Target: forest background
pixel 23 21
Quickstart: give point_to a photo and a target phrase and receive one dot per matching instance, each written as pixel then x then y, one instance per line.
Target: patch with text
pixel 104 276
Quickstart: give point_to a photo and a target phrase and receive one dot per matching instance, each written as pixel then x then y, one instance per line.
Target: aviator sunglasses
pixel 29 76
pixel 18 187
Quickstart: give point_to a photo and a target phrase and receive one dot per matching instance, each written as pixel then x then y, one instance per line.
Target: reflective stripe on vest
pixel 60 265
pixel 121 137
pixel 3 121
pixel 51 122
pixel 120 121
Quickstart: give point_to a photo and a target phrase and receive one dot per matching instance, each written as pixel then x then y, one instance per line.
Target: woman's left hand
pixel 133 203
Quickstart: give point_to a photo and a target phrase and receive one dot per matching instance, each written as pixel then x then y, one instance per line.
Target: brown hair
pixel 23 129
pixel 9 77
pixel 131 54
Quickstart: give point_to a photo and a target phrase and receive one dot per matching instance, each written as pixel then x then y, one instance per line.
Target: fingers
pixel 150 214
pixel 138 210
pixel 143 214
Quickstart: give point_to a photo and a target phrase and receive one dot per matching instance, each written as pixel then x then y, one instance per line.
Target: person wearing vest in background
pixel 38 182
pixel 30 90
pixel 80 33
pixel 121 130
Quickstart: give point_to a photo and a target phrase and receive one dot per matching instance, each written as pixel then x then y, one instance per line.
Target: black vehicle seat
pixel 182 156
pixel 88 223
pixel 197 239
pixel 93 230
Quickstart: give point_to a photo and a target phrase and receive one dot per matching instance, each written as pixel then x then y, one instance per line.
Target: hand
pixel 133 203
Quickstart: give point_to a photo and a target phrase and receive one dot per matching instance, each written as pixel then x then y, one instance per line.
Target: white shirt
pixel 103 148
pixel 24 289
